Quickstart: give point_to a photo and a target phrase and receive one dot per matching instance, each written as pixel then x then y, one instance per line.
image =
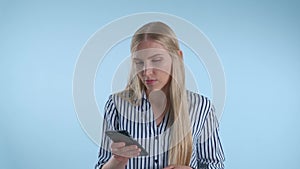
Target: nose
pixel 148 69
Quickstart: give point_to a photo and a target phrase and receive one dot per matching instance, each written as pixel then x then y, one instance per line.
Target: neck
pixel 159 103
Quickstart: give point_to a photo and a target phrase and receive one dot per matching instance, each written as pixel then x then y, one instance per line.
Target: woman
pixel 177 127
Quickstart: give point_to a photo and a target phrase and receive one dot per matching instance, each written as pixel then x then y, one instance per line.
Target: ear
pixel 180 53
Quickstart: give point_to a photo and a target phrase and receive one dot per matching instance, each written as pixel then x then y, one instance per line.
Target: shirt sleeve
pixel 210 154
pixel 110 122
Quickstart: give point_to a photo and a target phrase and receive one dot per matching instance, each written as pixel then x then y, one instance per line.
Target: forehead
pixel 146 44
pixel 149 48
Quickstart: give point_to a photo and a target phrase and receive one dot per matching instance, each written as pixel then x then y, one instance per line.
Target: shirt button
pixel 156 160
pixel 156 137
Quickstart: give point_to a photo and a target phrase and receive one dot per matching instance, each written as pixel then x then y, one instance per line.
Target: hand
pixel 177 167
pixel 123 153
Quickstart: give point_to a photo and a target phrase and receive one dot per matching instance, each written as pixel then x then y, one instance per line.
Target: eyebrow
pixel 155 55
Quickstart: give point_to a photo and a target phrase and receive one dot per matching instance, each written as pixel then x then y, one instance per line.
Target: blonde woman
pixel 177 127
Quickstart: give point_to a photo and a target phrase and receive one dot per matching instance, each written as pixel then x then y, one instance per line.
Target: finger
pixel 133 153
pixel 169 167
pixel 124 149
pixel 128 152
pixel 117 148
pixel 121 158
pixel 117 145
pixel 129 148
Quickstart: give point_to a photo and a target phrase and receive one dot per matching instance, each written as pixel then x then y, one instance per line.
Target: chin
pixel 150 89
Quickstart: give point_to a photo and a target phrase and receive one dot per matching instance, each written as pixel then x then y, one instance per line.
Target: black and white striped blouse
pixel 139 121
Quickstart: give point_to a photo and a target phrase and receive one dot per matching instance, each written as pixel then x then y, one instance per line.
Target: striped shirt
pixel 140 122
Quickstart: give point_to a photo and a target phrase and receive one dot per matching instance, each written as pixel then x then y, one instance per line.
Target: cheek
pixel 169 66
pixel 167 69
pixel 140 75
pixel 164 75
pixel 168 74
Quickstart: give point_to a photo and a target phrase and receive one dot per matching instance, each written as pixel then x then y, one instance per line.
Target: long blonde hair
pixel 180 149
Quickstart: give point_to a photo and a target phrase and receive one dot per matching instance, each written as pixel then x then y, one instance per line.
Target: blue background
pixel 257 41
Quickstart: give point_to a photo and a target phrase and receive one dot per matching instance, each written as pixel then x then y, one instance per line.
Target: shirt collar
pixel 144 95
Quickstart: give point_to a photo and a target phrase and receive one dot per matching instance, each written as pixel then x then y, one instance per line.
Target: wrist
pixel 119 160
pixel 116 162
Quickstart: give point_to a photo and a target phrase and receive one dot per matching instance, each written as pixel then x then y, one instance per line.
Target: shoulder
pixel 119 100
pixel 119 96
pixel 199 109
pixel 114 103
pixel 199 101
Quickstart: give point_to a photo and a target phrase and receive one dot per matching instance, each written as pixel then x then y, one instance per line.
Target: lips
pixel 150 81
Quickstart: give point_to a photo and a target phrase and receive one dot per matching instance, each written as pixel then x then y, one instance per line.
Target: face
pixel 153 65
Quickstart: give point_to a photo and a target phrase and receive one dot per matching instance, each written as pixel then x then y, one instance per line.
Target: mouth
pixel 150 81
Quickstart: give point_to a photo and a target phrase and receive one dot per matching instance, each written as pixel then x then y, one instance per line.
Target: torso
pixel 153 134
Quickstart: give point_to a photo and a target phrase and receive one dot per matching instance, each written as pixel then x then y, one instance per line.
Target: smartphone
pixel 123 136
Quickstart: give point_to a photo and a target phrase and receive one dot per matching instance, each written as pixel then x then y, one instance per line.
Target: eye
pixel 139 63
pixel 156 60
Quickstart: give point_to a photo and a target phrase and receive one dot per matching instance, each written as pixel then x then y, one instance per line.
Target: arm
pixel 110 122
pixel 116 155
pixel 209 149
